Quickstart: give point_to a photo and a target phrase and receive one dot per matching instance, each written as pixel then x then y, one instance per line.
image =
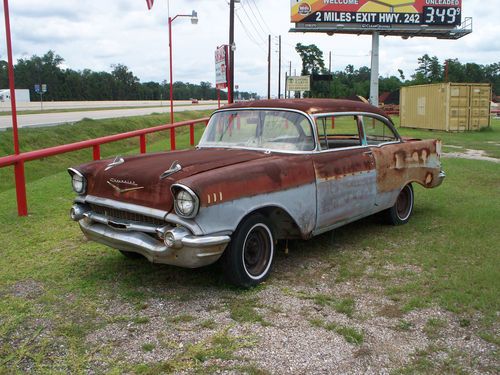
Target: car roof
pixel 310 106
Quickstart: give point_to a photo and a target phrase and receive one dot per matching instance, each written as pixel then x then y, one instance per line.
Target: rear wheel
pixel 248 259
pixel 401 212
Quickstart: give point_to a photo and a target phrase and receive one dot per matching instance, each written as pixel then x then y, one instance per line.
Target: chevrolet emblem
pixel 126 190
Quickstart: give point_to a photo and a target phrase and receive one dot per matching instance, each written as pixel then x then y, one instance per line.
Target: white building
pixel 22 95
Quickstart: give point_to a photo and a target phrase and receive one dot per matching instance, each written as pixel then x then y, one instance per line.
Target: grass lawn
pixel 72 306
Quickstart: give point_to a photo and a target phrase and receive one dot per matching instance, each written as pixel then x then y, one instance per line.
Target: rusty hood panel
pixel 137 180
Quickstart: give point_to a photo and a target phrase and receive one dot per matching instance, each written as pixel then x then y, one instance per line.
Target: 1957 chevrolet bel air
pixel 263 171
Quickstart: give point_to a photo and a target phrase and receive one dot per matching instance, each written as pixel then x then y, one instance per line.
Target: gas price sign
pixel 378 12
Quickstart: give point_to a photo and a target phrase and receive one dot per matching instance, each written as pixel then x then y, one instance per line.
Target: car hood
pixel 137 179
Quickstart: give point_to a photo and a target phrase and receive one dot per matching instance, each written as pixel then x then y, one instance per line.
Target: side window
pixel 377 132
pixel 338 131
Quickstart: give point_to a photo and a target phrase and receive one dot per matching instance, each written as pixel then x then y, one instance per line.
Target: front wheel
pixel 401 212
pixel 248 259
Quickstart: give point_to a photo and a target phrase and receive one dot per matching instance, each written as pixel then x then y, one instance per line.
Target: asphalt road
pixel 49 119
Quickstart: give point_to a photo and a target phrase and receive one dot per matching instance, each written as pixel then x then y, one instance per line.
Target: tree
pixel 429 70
pixel 312 59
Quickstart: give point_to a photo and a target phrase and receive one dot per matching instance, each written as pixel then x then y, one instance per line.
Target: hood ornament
pixel 118 160
pixel 114 184
pixel 174 168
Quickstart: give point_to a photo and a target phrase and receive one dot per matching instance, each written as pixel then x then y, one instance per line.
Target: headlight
pixel 78 181
pixel 186 202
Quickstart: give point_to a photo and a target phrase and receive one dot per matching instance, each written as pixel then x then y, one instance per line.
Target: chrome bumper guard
pixel 186 250
pixel 441 178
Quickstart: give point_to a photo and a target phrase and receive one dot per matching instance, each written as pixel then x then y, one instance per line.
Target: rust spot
pixel 424 155
pixel 428 179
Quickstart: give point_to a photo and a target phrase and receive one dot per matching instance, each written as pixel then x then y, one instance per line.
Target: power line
pixel 262 18
pixel 257 19
pixel 253 24
pixel 249 35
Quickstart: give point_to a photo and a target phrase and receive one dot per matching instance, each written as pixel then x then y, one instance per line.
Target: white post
pixel 374 69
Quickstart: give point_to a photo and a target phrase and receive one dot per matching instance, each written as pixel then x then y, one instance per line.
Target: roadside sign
pixel 221 66
pixel 41 88
pixel 298 83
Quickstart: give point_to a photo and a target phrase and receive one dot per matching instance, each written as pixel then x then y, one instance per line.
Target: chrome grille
pixel 124 215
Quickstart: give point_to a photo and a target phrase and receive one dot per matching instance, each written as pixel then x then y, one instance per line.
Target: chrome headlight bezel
pixel 78 181
pixel 186 202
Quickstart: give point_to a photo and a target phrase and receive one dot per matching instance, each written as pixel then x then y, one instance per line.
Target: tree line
pixel 429 69
pixel 119 84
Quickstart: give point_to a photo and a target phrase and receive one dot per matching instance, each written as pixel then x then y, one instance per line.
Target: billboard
pixel 221 66
pixel 368 13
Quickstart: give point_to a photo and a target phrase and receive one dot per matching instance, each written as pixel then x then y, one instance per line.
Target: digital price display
pixel 378 12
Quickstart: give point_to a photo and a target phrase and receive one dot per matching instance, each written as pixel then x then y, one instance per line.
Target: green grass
pixel 341 305
pixel 244 310
pixel 351 335
pixel 55 287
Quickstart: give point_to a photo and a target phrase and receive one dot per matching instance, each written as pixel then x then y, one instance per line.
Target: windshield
pixel 263 129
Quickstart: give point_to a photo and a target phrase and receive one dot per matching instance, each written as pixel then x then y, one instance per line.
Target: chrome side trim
pixel 128 207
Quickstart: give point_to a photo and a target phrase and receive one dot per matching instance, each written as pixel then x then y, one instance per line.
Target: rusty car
pixel 263 171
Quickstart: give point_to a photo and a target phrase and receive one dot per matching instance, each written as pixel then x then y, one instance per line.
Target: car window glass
pixel 338 131
pixel 377 131
pixel 266 129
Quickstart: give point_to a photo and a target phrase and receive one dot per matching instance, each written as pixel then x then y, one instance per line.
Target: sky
pixel 95 34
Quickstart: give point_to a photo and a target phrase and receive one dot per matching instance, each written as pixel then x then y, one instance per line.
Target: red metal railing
pixel 18 160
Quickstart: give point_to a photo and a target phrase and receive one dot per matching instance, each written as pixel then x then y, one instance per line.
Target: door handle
pixel 368 152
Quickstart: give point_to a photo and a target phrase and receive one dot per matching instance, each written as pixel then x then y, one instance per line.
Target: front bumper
pixel 190 251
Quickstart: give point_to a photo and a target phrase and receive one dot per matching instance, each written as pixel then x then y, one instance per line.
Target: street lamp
pixel 194 21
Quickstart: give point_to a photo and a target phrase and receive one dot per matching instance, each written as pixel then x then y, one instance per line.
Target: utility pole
pixel 279 69
pixel 269 68
pixel 289 74
pixel 232 46
pixel 330 63
pixel 286 80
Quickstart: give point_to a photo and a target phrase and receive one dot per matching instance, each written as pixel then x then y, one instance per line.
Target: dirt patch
pixel 27 289
pixel 472 155
pixel 299 333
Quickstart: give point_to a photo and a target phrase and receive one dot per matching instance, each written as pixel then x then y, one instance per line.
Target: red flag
pixel 150 3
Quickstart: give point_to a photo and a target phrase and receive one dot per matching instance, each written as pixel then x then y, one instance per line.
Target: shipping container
pixel 453 107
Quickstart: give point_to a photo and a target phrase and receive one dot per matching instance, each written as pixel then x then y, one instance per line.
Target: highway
pixel 50 119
